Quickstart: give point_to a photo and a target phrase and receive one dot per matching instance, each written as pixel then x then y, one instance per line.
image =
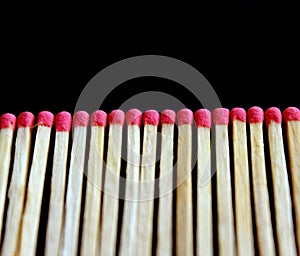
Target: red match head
pixel 185 116
pixel 45 118
pixel 238 114
pixel 151 117
pixel 81 118
pixel 291 114
pixel 98 118
pixel 168 116
pixel 25 119
pixel 117 117
pixel 63 121
pixel 255 115
pixel 203 118
pixel 8 121
pixel 221 116
pixel 134 117
pixel 273 114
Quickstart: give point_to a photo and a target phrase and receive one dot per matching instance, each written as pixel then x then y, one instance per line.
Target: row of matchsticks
pixel 24 192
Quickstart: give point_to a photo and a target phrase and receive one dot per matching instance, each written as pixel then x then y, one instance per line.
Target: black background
pixel 248 50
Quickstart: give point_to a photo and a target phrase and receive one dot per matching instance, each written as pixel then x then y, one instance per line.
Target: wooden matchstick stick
pixel 91 220
pixel 226 235
pixel 282 197
pixel 31 215
pixel 7 126
pixel 184 201
pixel 146 189
pixel 292 119
pixel 243 214
pixel 164 223
pixel 265 239
pixel 128 241
pixel 109 222
pixel 17 187
pixel 74 189
pixel 204 236
pixel 63 122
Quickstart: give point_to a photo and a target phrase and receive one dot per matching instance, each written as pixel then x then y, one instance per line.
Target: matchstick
pixel 7 126
pixel 184 201
pixel 204 235
pixel 74 189
pixel 164 222
pixel 17 187
pixel 292 119
pixel 226 235
pixel 63 122
pixel 31 215
pixel 109 221
pixel 264 231
pixel 91 220
pixel 282 197
pixel 243 214
pixel 146 189
pixel 128 240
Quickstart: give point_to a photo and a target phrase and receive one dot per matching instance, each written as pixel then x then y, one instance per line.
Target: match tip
pixel 291 114
pixel 98 118
pixel 203 118
pixel 238 114
pixel 63 121
pixel 185 116
pixel 221 116
pixel 8 121
pixel 273 114
pixel 151 117
pixel 81 118
pixel 255 115
pixel 45 118
pixel 168 116
pixel 25 119
pixel 117 117
pixel 134 117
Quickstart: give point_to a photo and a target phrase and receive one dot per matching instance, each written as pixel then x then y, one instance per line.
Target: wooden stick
pixel 264 230
pixel 17 188
pixel 184 201
pixel 63 122
pixel 226 235
pixel 243 214
pixel 146 189
pixel 204 241
pixel 164 223
pixel 292 119
pixel 109 223
pixel 74 189
pixel 31 215
pixel 7 126
pixel 282 197
pixel 128 241
pixel 91 221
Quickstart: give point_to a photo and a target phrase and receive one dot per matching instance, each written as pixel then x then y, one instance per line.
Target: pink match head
pixel 238 114
pixel 134 117
pixel 185 116
pixel 221 116
pixel 291 114
pixel 25 119
pixel 116 117
pixel 151 117
pixel 45 118
pixel 81 118
pixel 255 115
pixel 63 121
pixel 203 118
pixel 168 116
pixel 273 114
pixel 8 121
pixel 98 118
